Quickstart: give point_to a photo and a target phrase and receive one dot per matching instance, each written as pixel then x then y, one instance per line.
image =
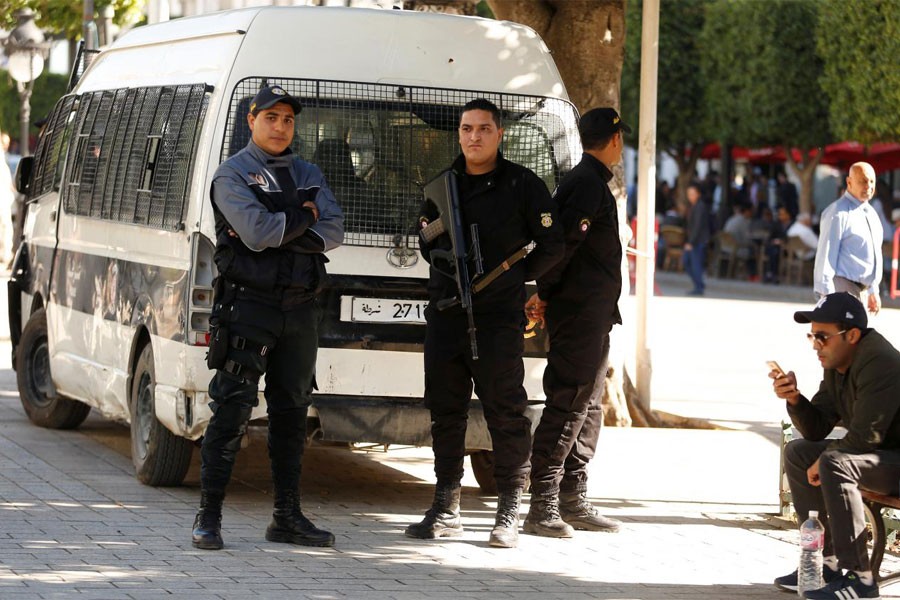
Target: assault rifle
pixel 442 192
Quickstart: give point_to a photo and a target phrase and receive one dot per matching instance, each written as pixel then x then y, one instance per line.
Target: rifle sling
pixel 506 265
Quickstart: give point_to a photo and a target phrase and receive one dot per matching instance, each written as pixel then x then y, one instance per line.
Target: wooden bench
pixel 875 504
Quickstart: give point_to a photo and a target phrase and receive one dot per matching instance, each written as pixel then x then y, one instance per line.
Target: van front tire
pixel 160 457
pixel 43 405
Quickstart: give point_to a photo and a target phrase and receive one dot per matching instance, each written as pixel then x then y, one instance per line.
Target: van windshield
pixel 379 144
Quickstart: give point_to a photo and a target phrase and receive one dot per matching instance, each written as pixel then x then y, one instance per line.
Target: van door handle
pixel 52 215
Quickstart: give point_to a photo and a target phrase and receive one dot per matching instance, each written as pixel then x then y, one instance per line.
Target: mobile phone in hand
pixel 774 366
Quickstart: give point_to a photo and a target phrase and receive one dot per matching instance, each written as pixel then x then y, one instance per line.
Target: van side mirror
pixel 23 174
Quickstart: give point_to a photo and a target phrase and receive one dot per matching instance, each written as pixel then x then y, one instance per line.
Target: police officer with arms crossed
pixel 275 219
pixel 579 297
pixel 860 388
pixel 512 208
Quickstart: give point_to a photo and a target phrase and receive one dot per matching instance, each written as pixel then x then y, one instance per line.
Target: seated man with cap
pixel 860 389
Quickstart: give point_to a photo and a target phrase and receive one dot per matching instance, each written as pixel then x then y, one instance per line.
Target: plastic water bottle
pixel 812 540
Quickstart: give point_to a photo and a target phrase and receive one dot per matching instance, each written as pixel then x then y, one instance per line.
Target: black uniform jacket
pixel 279 250
pixel 512 208
pixel 866 400
pixel 589 277
pixel 698 224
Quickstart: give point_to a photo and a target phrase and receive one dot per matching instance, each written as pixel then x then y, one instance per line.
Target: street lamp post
pixel 26 50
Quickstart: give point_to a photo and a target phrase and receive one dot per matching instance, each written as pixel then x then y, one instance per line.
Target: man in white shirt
pixel 849 249
pixel 802 228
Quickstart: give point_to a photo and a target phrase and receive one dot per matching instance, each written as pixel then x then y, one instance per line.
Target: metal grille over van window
pixel 83 59
pixel 379 144
pixel 50 146
pixel 133 154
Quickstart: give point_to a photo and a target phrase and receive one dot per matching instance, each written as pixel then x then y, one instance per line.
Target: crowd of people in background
pixel 761 214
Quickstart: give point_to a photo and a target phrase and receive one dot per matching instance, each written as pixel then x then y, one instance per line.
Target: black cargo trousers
pixel 498 377
pixel 566 437
pixel 282 343
pixel 837 498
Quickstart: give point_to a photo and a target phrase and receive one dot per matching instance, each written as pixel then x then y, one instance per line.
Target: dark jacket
pixel 866 400
pixel 279 248
pixel 698 224
pixel 589 277
pixel 512 208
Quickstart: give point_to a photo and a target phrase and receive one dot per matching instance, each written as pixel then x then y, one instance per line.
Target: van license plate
pixel 387 310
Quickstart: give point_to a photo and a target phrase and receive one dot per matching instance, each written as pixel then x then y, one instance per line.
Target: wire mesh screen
pixel 132 154
pixel 50 147
pixel 379 144
pixel 83 60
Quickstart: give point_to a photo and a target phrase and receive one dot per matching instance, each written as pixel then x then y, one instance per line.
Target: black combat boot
pixel 290 526
pixel 207 533
pixel 581 514
pixel 505 533
pixel 442 519
pixel 543 517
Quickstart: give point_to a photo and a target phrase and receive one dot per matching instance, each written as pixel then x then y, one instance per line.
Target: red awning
pixel 882 156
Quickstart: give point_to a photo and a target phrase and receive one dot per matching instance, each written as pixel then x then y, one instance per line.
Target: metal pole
pixel 646 259
pixel 88 27
pixel 25 112
pixel 158 11
pixel 106 16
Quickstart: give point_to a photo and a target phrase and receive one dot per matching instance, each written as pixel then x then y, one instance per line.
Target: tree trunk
pixel 587 39
pixel 806 174
pixel 686 159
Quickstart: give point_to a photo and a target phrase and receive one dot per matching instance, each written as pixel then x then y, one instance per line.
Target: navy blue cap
pixel 272 95
pixel 839 307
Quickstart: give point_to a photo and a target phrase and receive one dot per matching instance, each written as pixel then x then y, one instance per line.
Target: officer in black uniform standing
pixel 275 219
pixel 578 299
pixel 512 208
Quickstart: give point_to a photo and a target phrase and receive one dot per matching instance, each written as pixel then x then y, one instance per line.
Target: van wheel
pixel 43 405
pixel 483 468
pixel 160 457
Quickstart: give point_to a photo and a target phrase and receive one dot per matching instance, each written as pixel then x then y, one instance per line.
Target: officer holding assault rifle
pixel 475 314
pixel 490 210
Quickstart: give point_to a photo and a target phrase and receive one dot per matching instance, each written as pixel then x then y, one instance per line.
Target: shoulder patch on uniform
pixel 584 224
pixel 546 219
pixel 260 180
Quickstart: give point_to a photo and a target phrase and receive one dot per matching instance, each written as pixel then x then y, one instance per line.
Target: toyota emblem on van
pixel 401 257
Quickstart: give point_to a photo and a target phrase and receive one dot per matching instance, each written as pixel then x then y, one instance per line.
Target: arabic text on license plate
pixel 387 310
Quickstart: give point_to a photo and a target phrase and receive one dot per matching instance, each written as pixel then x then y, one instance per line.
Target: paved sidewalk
pixel 696 504
pixel 76 524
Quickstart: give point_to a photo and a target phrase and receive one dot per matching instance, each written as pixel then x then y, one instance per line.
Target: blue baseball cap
pixel 272 95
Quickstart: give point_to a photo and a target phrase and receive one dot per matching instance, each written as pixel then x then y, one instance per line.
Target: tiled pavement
pixel 74 523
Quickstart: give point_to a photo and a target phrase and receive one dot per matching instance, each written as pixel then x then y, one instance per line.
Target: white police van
pixel 111 289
